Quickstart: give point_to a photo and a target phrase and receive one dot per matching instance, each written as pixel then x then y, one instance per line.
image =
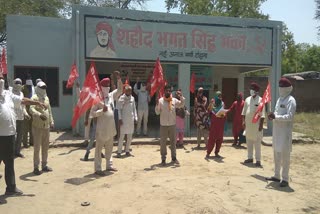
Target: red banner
pixel 4 69
pixel 193 83
pixel 265 99
pixel 158 79
pixel 73 76
pixel 90 94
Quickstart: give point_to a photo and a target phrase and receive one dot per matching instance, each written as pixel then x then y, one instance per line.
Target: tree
pixel 231 8
pixel 288 51
pixel 317 17
pixel 25 7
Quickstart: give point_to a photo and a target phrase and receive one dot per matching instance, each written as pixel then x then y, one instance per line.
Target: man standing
pixel 282 132
pixel 166 107
pixel 8 101
pixel 28 91
pixel 41 124
pixel 253 130
pixel 127 117
pixel 21 114
pixel 237 128
pixel 106 129
pixel 201 116
pixel 143 107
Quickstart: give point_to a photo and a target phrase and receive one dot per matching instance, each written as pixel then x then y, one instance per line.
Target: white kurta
pixel 127 113
pixel 282 124
pixel 105 120
pixel 250 106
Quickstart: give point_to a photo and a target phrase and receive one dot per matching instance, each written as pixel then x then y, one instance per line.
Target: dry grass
pixel 307 123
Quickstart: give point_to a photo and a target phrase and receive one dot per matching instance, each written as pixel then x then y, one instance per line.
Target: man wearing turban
pixel 282 132
pixel 253 130
pixel 105 48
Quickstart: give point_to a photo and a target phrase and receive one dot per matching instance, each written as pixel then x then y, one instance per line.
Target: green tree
pixel 317 17
pixel 288 51
pixel 231 8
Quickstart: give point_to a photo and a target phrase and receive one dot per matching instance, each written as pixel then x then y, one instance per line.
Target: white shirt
pixel 168 116
pixel 8 101
pixel 143 98
pixel 127 113
pixel 282 124
pixel 249 109
pixel 20 110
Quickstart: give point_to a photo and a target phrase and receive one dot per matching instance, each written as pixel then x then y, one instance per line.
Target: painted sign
pixel 111 39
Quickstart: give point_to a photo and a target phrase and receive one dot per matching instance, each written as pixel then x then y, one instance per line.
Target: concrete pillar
pixel 184 76
pixel 275 73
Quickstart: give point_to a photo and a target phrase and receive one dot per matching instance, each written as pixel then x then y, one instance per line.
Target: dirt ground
pixel 142 186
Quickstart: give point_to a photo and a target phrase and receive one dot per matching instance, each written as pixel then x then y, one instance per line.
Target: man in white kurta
pixel 127 117
pixel 253 131
pixel 282 132
pixel 106 129
pixel 143 107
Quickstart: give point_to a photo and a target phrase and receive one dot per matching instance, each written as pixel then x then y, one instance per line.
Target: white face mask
pixel 17 88
pixel 42 93
pixel 285 91
pixel 1 86
pixel 252 92
pixel 105 91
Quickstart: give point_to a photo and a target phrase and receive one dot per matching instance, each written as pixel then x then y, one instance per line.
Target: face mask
pixel 252 92
pixel 17 88
pixel 41 92
pixel 1 86
pixel 105 91
pixel 284 91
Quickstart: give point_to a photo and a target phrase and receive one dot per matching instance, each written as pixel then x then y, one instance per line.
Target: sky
pixel 298 15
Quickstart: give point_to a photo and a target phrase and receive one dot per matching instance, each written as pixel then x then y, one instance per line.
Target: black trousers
pixel 7 157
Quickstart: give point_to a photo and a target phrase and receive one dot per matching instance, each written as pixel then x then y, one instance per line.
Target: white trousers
pixel 256 145
pixel 120 142
pixel 282 160
pixel 143 114
pixel 108 145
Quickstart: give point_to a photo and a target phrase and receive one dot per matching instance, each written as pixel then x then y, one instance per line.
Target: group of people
pixel 23 107
pixel 210 121
pixel 209 118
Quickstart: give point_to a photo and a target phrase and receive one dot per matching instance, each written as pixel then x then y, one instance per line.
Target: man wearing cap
pixel 21 114
pixel 41 124
pixel 253 131
pixel 28 91
pixel 8 101
pixel 106 129
pixel 105 48
pixel 127 117
pixel 143 106
pixel 282 132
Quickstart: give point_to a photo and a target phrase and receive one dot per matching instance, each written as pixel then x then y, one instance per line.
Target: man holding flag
pixel 282 132
pixel 253 130
pixel 106 129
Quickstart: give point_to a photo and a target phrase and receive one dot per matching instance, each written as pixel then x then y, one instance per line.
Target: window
pixel 48 75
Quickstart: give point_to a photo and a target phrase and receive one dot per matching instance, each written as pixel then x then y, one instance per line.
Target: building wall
pixel 43 42
pixel 304 91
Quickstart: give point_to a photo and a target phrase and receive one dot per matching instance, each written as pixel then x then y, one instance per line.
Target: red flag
pixel 158 78
pixel 4 69
pixel 193 83
pixel 90 94
pixel 265 99
pixel 73 76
